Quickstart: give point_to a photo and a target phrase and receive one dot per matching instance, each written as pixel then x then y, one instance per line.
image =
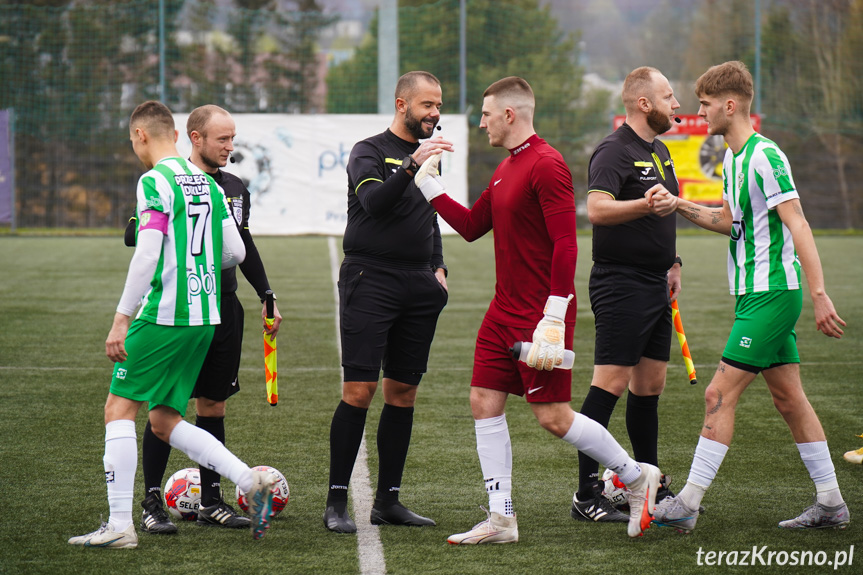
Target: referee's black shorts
pixel 632 308
pixel 388 318
pixel 219 377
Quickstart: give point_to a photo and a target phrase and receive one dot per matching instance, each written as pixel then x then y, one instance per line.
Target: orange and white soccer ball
pixel 183 494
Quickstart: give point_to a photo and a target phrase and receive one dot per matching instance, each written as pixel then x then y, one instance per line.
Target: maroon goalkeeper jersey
pixel 530 203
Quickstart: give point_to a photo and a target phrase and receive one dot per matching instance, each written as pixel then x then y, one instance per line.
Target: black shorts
pixel 219 377
pixel 387 319
pixel 632 309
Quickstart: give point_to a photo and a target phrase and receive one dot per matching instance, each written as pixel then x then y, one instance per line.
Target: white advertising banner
pixel 294 166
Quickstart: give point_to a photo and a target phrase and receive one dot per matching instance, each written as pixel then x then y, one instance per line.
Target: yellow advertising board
pixel 697 157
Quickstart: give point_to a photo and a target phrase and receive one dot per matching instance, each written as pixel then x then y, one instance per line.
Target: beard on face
pixel 210 161
pixel 658 122
pixel 415 126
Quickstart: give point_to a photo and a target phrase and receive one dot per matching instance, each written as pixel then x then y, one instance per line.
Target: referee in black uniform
pixel 211 131
pixel 635 269
pixel 392 288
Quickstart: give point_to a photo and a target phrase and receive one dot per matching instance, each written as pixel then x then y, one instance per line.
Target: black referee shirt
pixel 238 200
pixel 626 166
pixel 389 221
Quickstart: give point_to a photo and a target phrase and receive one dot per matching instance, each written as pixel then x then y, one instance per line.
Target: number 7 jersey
pixel 185 289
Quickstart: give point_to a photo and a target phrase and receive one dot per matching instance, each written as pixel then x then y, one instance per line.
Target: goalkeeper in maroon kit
pixel 531 205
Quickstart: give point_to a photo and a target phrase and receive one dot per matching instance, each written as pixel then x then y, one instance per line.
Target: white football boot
pixel 495 529
pixel 105 536
pixel 642 499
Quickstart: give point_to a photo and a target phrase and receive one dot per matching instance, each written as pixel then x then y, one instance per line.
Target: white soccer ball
pixel 183 494
pixel 613 489
pixel 280 497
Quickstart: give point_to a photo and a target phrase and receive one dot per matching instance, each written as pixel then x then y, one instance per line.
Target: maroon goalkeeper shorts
pixel 495 368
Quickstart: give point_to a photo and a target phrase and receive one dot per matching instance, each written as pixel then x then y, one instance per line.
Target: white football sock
pixel 495 458
pixel 705 465
pixel 121 462
pixel 592 439
pixel 816 457
pixel 209 452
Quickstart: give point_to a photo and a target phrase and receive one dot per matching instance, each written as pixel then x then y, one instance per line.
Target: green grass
pixel 57 297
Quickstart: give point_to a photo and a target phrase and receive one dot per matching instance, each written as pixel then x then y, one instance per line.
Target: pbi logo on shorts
pixel 745 342
pixel 121 373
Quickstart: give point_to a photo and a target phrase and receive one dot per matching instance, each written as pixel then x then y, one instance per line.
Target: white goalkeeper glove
pixel 549 335
pixel 428 180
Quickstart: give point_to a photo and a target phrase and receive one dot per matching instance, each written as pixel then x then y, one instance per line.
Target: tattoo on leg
pixel 722 367
pixel 716 407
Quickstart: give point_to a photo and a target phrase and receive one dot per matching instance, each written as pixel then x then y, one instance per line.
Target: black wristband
pixel 678 261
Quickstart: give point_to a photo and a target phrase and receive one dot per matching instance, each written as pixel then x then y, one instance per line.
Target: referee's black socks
pixel 642 424
pixel 394 438
pixel 346 434
pixel 598 406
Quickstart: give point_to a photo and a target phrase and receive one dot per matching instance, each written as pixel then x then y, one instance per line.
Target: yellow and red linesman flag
pixel 270 363
pixel 684 347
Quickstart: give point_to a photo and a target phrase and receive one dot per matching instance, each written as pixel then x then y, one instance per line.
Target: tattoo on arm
pixel 798 209
pixel 692 213
pixel 716 407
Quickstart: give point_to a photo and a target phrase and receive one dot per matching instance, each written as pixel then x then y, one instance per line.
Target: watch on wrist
pixel 263 299
pixel 678 261
pixel 409 164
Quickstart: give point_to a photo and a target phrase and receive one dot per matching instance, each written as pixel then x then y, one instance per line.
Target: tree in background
pixel 513 38
pixel 836 30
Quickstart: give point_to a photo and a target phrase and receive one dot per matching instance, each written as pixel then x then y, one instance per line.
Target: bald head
pixel 640 83
pixel 201 117
pixel 409 83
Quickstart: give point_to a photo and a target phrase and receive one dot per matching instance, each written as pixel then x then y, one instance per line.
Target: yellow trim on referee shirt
pixel 658 164
pixel 357 189
pixel 603 191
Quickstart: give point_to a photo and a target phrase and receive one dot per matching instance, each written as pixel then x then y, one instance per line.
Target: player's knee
pixel 359 393
pixel 789 404
pixel 552 422
pixel 712 397
pixel 209 408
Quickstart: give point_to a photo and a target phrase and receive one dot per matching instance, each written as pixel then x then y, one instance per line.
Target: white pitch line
pixel 369 547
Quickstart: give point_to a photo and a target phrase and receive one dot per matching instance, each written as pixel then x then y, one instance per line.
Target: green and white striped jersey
pixel 761 254
pixel 185 288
